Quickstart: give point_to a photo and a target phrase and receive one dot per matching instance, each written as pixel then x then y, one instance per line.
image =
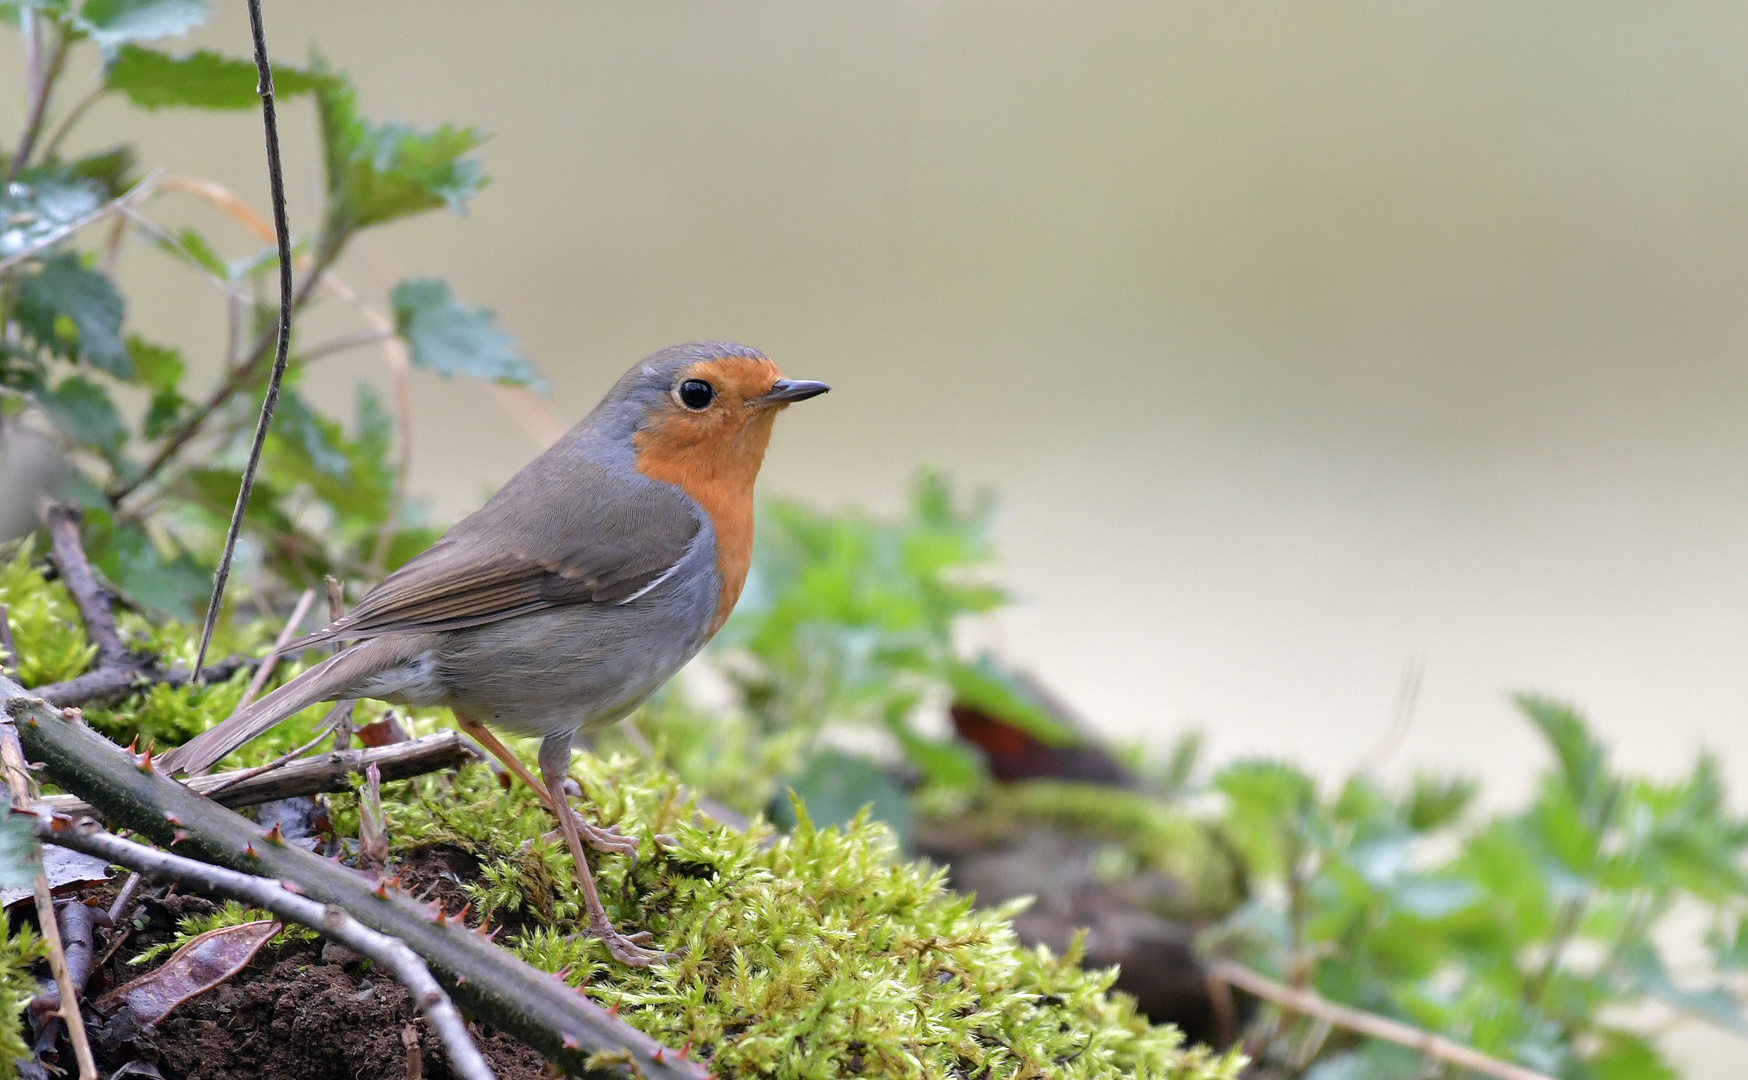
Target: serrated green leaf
pixel 449 338
pixel 111 23
pixel 377 173
pixel 74 312
pixel 200 80
pixel 81 409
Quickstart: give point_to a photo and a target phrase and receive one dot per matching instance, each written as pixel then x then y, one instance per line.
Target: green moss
pixel 18 951
pixel 812 955
pixel 45 624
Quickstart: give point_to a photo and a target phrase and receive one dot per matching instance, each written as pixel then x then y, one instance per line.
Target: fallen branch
pixel 313 776
pixel 107 685
pixel 18 782
pixel 93 603
pixel 572 1031
pixel 280 898
pixel 1318 1007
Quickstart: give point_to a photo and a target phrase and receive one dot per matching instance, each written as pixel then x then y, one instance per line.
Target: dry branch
pixel 18 783
pixel 569 1029
pixel 278 897
pixel 312 776
pixel 1372 1025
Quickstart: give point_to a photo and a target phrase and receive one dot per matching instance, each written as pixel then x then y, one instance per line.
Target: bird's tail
pixel 326 681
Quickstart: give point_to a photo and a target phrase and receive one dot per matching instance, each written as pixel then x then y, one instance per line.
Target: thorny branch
pixel 283 899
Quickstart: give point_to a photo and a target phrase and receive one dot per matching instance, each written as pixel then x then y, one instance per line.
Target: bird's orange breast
pixel 715 463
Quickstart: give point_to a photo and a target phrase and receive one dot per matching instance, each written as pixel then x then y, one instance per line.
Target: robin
pixel 583 585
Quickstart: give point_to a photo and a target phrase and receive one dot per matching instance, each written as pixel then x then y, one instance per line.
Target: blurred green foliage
pixel 1541 935
pixel 152 457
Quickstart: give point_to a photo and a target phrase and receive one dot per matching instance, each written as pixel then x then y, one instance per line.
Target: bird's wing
pixel 535 546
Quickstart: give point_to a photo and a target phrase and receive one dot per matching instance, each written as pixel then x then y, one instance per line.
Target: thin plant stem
pixel 42 83
pixel 72 117
pixel 18 782
pixel 276 182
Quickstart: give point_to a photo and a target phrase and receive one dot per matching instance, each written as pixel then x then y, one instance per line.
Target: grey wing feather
pixel 533 547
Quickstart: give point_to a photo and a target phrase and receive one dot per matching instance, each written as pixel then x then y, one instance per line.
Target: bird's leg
pixel 600 839
pixel 555 756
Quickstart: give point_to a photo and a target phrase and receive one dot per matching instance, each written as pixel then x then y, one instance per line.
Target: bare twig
pixel 105 685
pixel 1372 1025
pixel 1401 719
pixel 119 204
pixel 276 182
pixel 325 773
pixel 42 84
pixel 342 343
pixel 18 782
pixel 271 660
pixel 66 125
pixel 280 898
pixel 93 603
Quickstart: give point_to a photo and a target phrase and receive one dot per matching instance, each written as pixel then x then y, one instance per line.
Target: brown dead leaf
pixel 66 869
pixel 197 967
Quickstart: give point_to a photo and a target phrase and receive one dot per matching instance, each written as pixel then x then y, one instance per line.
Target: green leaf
pixel 200 80
pixel 18 847
pixel 449 338
pixel 112 169
pixel 39 204
pixel 156 366
pixel 192 248
pixel 1583 760
pixel 110 23
pixel 377 173
pixel 83 412
pixel 74 312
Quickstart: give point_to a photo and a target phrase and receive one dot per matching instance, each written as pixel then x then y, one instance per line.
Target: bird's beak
pixel 784 391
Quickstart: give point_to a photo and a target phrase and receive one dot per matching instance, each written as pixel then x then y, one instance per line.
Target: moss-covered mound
pixel 809 955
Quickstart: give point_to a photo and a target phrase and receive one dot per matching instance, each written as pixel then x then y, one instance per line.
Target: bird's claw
pixel 629 949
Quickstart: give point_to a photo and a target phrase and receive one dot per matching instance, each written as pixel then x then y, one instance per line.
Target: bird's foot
pixel 629 949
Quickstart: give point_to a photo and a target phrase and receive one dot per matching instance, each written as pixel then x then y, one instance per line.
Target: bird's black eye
pixel 696 394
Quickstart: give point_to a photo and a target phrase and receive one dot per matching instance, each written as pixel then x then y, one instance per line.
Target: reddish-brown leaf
pixel 197 967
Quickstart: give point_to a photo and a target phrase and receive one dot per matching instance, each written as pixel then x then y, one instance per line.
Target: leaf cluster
pixel 151 456
pixel 1526 934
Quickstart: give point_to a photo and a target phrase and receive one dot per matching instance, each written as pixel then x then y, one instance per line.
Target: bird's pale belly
pixel 552 671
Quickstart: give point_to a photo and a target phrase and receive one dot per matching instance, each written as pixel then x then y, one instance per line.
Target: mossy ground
pixel 817 954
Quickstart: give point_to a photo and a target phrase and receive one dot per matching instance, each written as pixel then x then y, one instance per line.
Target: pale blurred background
pixel 1303 343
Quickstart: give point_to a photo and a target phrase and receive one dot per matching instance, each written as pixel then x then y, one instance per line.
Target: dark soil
pixel 297 1012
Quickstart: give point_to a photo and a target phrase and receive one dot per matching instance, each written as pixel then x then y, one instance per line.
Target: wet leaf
pixel 110 23
pixel 197 967
pixel 65 869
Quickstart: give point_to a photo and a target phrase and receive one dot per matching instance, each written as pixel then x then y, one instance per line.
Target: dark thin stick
pixel 276 182
pixel 328 919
